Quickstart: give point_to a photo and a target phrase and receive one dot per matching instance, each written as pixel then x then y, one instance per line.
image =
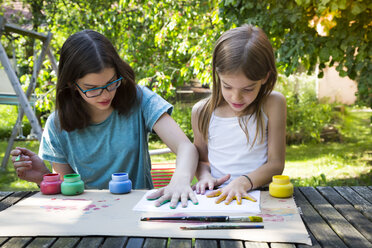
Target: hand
pixel 210 182
pixel 28 165
pixel 174 192
pixel 235 190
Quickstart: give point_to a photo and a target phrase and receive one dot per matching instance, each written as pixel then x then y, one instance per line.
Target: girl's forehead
pixel 101 77
pixel 238 79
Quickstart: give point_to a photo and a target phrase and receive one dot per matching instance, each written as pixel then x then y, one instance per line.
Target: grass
pixel 326 164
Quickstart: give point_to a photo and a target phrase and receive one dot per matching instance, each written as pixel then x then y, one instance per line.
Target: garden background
pixel 169 45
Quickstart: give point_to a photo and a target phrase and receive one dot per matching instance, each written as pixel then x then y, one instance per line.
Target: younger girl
pixel 239 130
pixel 101 124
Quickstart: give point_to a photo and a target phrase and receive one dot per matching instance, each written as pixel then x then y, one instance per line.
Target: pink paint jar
pixel 51 184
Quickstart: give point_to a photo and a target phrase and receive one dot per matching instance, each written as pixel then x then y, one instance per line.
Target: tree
pixel 292 25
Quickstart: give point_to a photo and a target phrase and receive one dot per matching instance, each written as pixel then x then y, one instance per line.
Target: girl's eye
pixel 248 90
pixel 227 87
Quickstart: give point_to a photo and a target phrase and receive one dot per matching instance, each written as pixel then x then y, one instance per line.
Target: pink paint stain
pixel 272 217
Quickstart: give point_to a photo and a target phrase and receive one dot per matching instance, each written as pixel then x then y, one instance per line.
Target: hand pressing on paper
pixel 235 190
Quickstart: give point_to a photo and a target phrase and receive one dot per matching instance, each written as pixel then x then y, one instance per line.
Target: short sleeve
pixel 153 107
pixel 51 148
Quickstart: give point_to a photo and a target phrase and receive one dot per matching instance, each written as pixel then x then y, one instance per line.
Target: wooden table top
pixel 333 216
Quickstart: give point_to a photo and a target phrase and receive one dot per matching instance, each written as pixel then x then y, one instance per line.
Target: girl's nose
pixel 236 96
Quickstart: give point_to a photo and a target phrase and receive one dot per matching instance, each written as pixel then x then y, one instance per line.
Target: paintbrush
pixel 222 226
pixel 208 218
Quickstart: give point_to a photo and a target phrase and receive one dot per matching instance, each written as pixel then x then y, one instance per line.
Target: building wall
pixel 333 88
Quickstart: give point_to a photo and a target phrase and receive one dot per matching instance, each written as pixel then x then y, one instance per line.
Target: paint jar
pixel 51 184
pixel 72 185
pixel 120 183
pixel 281 187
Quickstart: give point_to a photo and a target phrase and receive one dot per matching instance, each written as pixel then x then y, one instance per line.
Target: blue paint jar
pixel 72 185
pixel 120 183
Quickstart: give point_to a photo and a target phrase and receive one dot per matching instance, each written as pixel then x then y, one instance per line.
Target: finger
pixel 162 200
pixel 214 193
pixel 15 152
pixel 229 200
pixel 184 199
pixel 193 198
pixel 223 179
pixel 155 195
pixel 25 165
pixel 174 201
pixel 210 185
pixel 197 188
pixel 202 188
pixel 249 197
pixel 221 198
pixel 26 151
pixel 238 199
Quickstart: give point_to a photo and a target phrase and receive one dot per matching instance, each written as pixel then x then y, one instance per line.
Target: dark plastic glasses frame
pixel 102 88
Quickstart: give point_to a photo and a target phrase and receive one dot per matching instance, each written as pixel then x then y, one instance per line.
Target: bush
pixel 306 117
pixel 9 114
pixel 182 115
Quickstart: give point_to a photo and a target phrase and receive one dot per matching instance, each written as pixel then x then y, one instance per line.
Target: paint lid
pixel 51 177
pixel 120 176
pixel 70 178
pixel 281 179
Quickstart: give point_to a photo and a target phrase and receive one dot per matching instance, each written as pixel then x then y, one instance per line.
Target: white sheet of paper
pixel 205 205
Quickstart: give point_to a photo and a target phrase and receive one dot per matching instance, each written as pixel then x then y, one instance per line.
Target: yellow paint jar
pixel 281 187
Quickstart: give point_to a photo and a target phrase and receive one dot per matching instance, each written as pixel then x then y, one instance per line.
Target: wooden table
pixel 334 217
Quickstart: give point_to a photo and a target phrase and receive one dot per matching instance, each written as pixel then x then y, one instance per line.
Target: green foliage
pixel 182 115
pixel 292 25
pixel 8 114
pixel 305 116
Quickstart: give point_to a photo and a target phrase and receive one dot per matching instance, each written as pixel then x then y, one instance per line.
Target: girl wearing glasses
pixel 101 124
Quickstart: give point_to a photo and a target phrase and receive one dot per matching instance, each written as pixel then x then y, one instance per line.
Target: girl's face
pixel 238 91
pixel 94 80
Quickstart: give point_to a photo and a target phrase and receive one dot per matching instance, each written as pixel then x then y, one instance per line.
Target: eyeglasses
pixel 99 90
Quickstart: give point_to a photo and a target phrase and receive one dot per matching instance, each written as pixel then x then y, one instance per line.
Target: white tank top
pixel 228 149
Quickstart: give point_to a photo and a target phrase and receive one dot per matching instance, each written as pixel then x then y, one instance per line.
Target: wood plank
pixel 315 243
pixel 364 191
pixel 155 242
pixel 90 242
pixel 3 240
pixel 282 245
pixel 114 242
pixel 180 243
pixel 358 220
pixel 17 242
pixel 356 200
pixel 231 244
pixel 319 228
pixel 12 199
pixel 4 194
pixel 135 242
pixel 339 224
pixel 249 244
pixel 41 242
pixel 66 242
pixel 205 243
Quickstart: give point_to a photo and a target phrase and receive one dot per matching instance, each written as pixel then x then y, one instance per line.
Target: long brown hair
pixel 243 49
pixel 89 52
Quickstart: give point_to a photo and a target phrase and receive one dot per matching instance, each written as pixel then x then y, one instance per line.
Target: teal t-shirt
pixel 118 144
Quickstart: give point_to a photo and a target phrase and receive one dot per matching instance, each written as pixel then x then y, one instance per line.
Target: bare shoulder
pixel 198 106
pixel 275 102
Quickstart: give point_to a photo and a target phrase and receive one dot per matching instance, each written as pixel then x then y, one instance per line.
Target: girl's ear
pixel 266 78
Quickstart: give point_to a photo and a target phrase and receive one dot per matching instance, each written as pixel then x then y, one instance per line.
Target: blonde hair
pixel 243 49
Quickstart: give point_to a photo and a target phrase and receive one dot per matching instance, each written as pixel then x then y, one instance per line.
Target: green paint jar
pixel 72 185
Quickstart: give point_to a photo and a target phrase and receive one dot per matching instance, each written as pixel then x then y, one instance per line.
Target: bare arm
pixel 275 109
pixel 187 157
pixel 203 172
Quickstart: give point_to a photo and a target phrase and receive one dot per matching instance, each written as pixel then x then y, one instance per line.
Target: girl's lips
pixel 105 102
pixel 237 105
